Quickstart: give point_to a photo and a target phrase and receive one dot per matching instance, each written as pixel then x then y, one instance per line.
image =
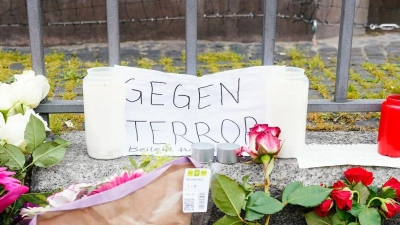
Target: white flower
pixel 30 112
pixel 72 193
pixel 30 212
pixel 30 89
pixel 15 127
pixel 7 97
pixel 3 130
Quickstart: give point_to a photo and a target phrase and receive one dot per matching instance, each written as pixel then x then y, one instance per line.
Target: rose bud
pixel 394 184
pixel 342 196
pixel 390 207
pixel 323 209
pixel 357 174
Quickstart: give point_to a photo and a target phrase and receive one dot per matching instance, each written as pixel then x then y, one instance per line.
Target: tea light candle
pixel 203 152
pixel 226 153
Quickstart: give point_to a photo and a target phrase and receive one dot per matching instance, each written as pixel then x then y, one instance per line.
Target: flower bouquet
pixel 130 198
pixel 23 141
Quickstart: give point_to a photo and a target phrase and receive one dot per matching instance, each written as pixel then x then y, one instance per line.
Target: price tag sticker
pixel 196 184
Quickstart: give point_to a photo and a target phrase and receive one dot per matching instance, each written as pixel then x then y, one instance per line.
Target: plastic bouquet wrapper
pixel 154 198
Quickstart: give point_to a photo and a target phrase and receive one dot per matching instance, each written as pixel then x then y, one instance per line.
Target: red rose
pixel 357 174
pixel 323 209
pixel 342 196
pixel 390 207
pixel 394 184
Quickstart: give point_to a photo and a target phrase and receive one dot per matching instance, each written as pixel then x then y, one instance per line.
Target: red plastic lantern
pixel 389 127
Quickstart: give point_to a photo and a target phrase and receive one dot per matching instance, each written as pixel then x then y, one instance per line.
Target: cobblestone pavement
pixel 375 49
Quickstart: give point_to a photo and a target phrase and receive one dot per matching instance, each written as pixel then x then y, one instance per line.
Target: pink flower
pixel 263 140
pixel 117 180
pixel 11 196
pixel 7 181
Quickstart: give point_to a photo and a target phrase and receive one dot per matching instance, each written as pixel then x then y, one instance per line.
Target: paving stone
pixel 17 66
pixel 129 54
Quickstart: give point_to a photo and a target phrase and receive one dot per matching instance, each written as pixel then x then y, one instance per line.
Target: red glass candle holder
pixel 389 127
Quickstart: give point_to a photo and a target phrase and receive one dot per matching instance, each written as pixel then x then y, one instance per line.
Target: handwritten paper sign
pixel 175 110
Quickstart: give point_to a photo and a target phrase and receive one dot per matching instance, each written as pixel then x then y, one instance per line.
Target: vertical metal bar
pixel 113 32
pixel 191 37
pixel 269 31
pixel 35 36
pixel 344 50
pixel 36 41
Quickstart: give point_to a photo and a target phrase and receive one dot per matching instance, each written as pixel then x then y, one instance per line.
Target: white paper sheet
pixel 332 155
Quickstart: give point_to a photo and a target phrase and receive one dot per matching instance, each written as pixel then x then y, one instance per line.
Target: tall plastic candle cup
pixel 389 127
pixel 286 107
pixel 104 107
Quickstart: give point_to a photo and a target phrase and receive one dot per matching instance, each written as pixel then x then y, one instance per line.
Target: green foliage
pixel 308 196
pixel 227 195
pixel 35 134
pixel 35 198
pixel 49 153
pixel 12 157
pixel 312 218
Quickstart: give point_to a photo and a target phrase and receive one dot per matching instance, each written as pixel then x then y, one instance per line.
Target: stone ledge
pixel 78 166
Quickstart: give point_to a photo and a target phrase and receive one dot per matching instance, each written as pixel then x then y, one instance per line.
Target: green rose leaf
pixel 308 196
pixel 363 191
pixel 353 223
pixel 337 221
pixel 343 215
pixel 253 215
pixel 35 133
pixel 289 189
pixel 49 153
pixel 227 195
pixel 369 216
pixel 262 203
pixel 356 208
pixel 388 193
pixel 35 198
pixel 229 220
pixel 12 157
pixel 312 218
pixel 133 162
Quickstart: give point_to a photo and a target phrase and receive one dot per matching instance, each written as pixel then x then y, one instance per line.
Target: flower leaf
pixel 337 221
pixel 227 195
pixel 229 220
pixel 308 196
pixel 12 157
pixel 289 189
pixel 353 223
pixel 262 203
pixel 144 164
pixel 49 153
pixel 35 133
pixel 363 191
pixel 369 216
pixel 388 193
pixel 312 218
pixel 252 215
pixel 343 215
pixel 35 198
pixel 356 208
pixel 248 188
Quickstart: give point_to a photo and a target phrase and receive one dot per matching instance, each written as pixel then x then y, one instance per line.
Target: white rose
pixel 15 127
pixel 68 195
pixel 30 112
pixel 7 97
pixel 31 89
pixel 3 130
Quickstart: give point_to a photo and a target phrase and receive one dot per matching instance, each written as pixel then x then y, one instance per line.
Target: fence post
pixel 269 30
pixel 344 50
pixel 113 32
pixel 191 37
pixel 36 41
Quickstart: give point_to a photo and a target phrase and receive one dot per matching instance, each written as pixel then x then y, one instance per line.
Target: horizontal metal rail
pixel 314 105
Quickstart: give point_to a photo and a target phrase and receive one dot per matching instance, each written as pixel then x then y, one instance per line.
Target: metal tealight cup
pixel 203 152
pixel 226 153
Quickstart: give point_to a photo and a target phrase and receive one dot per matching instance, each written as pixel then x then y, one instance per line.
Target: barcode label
pixel 196 186
pixel 188 204
pixel 202 200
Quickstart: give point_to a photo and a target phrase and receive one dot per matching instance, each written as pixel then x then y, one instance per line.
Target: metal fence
pixel 339 104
